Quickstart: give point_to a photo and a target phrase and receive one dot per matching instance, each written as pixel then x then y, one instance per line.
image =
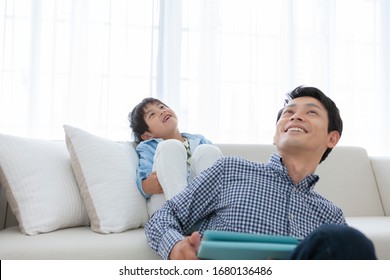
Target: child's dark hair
pixel 334 118
pixel 137 120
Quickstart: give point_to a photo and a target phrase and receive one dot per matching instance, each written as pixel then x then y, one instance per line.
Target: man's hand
pixel 151 185
pixel 187 248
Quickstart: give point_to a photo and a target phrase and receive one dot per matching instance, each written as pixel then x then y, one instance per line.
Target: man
pixel 274 198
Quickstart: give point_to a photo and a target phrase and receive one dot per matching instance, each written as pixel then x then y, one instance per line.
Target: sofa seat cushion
pixel 75 244
pixel 82 243
pixel 377 229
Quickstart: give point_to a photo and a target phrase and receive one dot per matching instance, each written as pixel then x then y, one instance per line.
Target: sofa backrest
pixel 346 176
pixel 347 179
pixel 381 167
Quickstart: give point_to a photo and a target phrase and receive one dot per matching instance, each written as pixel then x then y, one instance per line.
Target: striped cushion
pixel 106 174
pixel 39 184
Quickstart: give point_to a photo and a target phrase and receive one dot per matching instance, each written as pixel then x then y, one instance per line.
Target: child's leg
pixel 155 202
pixel 170 166
pixel 203 157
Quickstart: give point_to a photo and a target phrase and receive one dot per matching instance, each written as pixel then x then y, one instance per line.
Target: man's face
pixel 303 125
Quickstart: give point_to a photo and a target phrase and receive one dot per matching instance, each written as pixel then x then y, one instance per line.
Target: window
pixel 224 66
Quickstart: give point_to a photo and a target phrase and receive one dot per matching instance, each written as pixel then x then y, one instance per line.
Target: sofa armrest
pixel 381 168
pixel 7 218
pixel 3 208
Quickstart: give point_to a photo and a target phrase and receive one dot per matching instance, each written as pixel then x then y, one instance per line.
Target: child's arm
pixel 147 181
pixel 151 185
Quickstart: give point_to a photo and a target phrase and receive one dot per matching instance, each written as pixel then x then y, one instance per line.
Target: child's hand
pixel 151 185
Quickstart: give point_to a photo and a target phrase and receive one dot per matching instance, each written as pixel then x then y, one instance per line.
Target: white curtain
pixel 239 58
pixel 224 66
pixel 80 62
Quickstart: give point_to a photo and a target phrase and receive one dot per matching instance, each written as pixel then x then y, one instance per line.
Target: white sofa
pixel 359 184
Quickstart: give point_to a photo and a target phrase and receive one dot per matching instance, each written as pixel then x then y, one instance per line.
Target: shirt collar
pixel 276 163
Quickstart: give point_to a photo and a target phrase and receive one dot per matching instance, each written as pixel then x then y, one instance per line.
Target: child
pixel 168 159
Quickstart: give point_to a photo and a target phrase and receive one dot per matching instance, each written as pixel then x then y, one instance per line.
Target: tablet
pixel 224 245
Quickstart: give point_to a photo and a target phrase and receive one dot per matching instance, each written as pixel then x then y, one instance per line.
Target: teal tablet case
pixel 224 245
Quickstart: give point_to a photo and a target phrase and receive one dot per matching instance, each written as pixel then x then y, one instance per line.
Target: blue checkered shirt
pixel 242 196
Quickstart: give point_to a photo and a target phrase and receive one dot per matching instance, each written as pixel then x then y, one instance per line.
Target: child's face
pixel 161 120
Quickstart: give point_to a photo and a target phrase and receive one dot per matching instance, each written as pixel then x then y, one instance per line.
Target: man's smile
pixel 296 129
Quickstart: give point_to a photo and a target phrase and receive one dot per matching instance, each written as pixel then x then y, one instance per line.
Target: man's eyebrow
pixel 290 105
pixel 313 105
pixel 306 105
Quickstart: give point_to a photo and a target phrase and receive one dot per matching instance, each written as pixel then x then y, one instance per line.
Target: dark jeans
pixel 335 242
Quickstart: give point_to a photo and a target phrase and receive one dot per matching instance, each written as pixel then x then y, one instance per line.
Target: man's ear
pixel 146 136
pixel 334 137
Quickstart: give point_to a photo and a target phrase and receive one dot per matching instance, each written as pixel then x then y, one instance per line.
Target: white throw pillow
pixel 39 184
pixel 106 174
